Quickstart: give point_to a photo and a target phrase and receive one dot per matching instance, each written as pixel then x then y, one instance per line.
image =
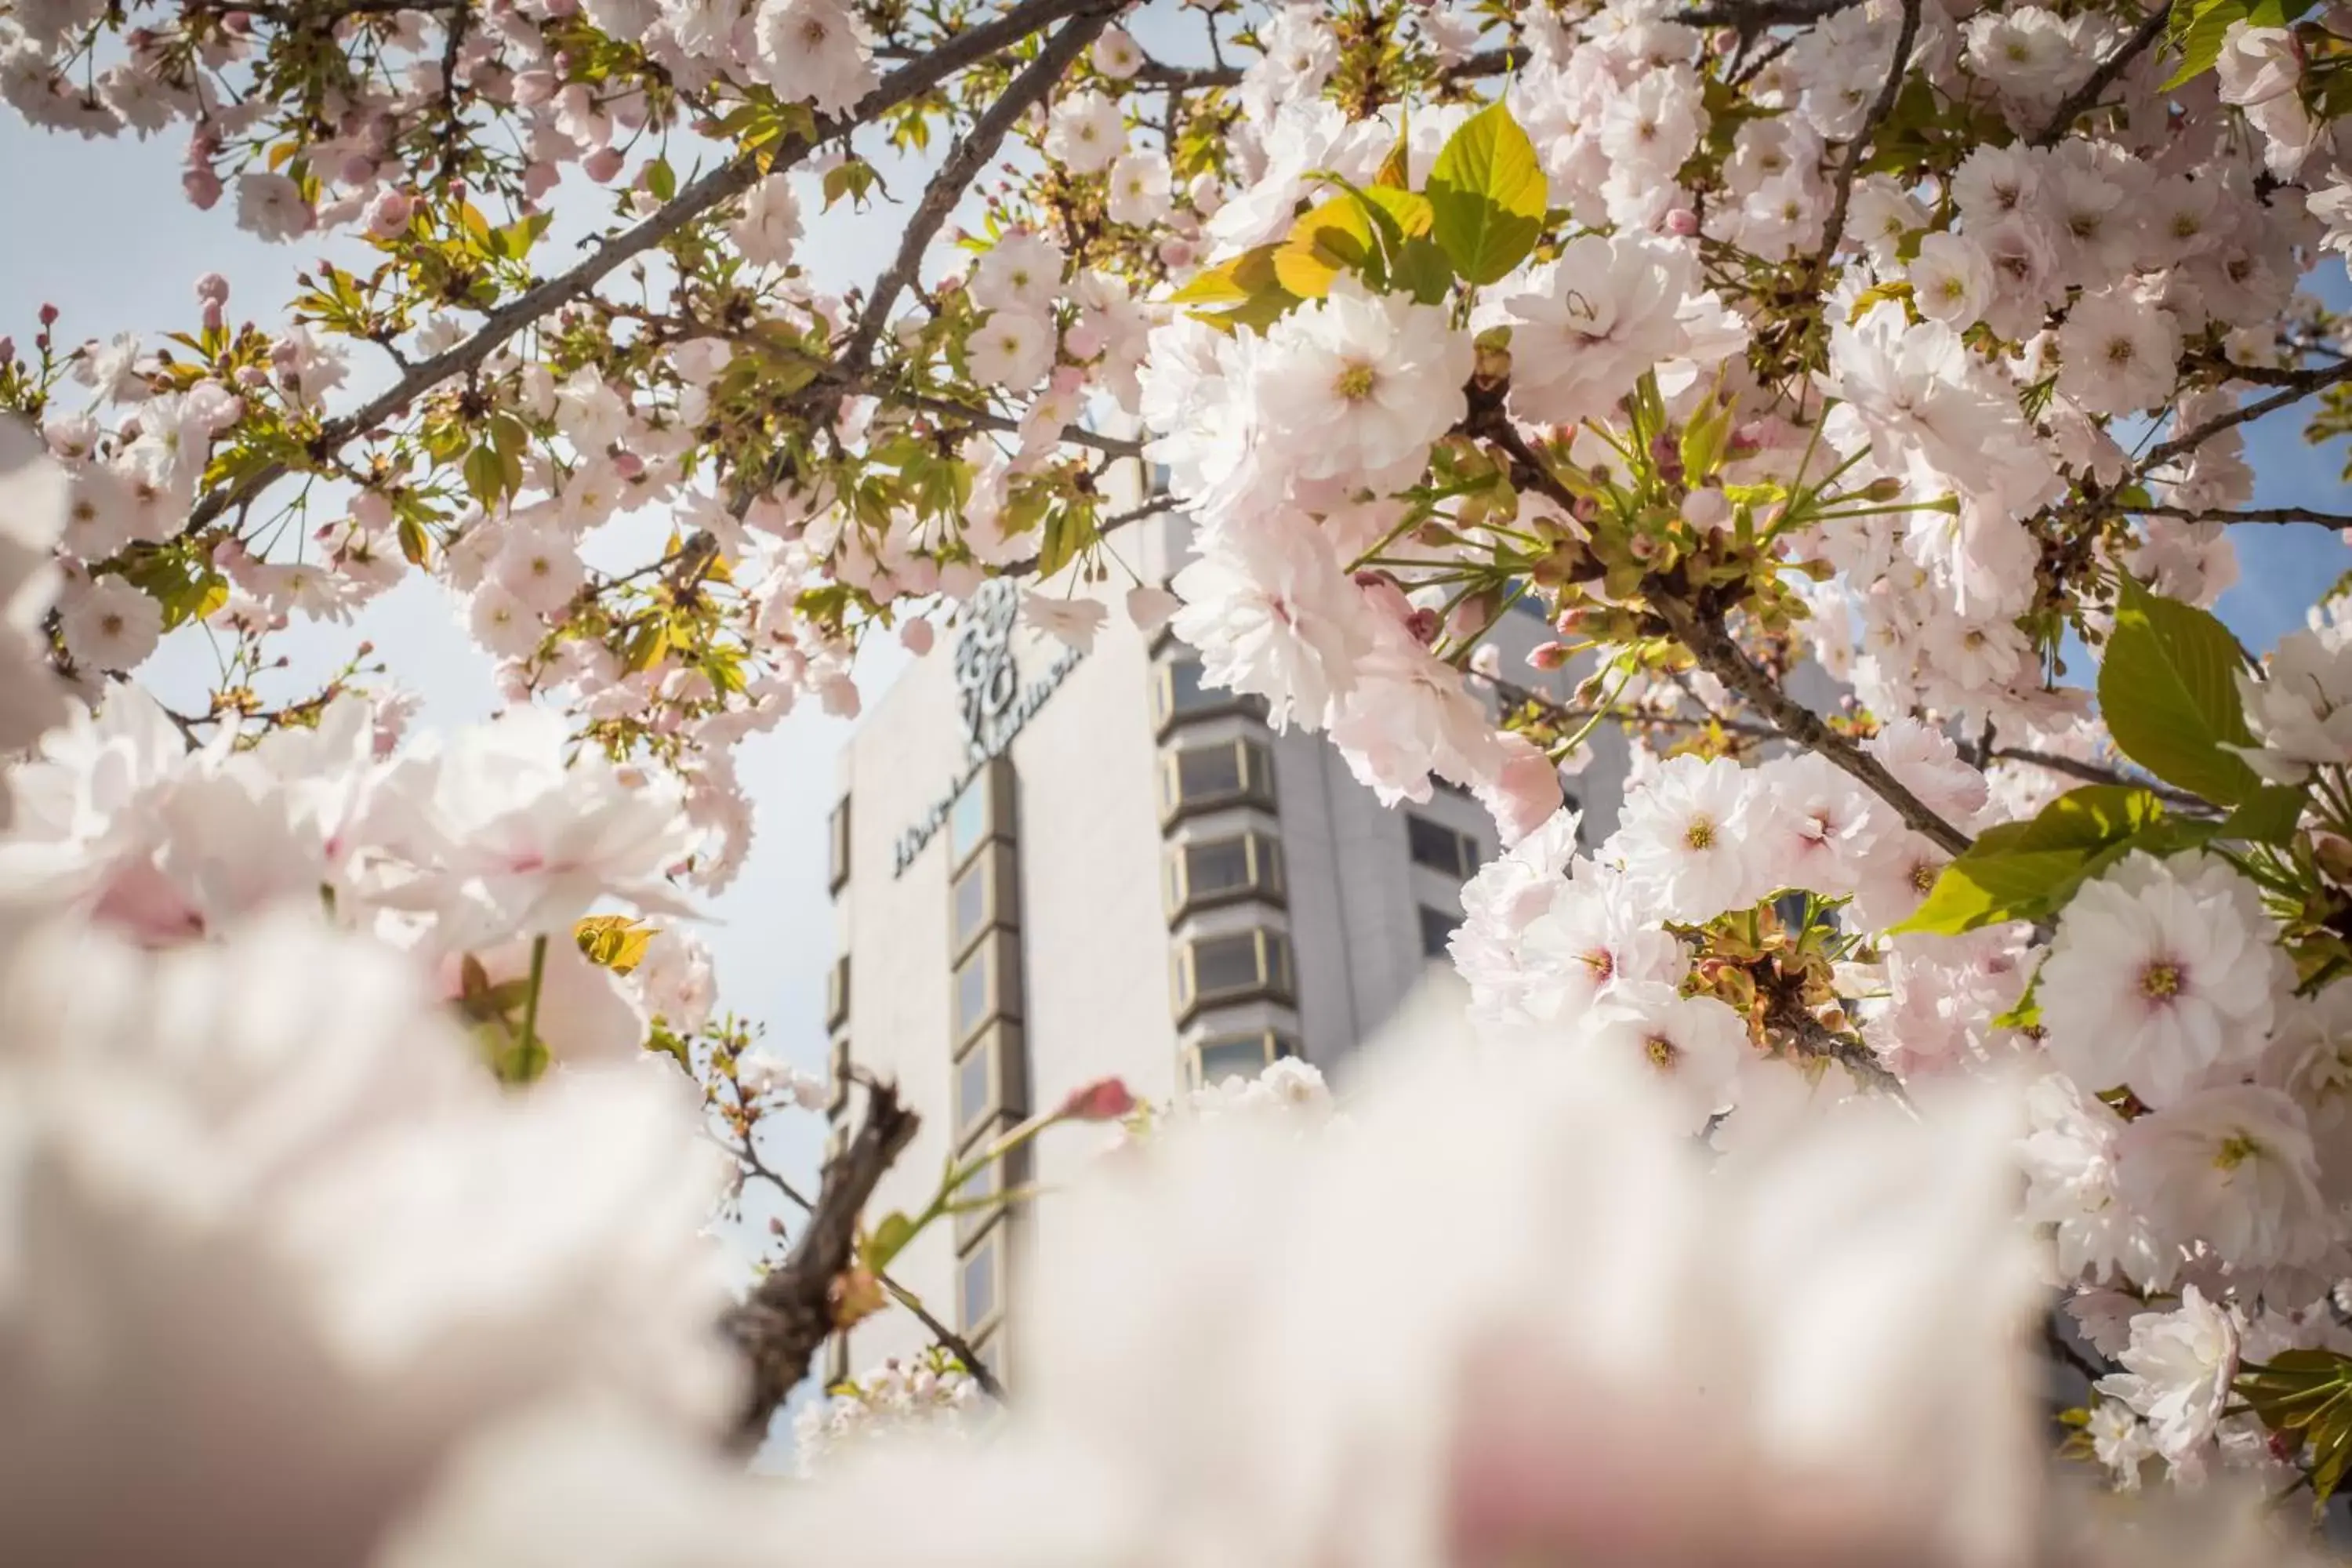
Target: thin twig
pixel 1156 77
pixel 1809 1037
pixel 1752 15
pixel 1880 108
pixel 2295 391
pixel 955 1343
pixel 2087 95
pixel 2249 514
pixel 700 197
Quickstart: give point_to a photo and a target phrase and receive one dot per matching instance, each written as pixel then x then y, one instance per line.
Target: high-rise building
pixel 1050 868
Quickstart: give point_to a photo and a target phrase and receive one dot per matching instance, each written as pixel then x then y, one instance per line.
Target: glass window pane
pixel 1224 964
pixel 1436 931
pixel 1185 688
pixel 1435 846
pixel 972 990
pixel 1209 772
pixel 971 1086
pixel 1220 866
pixel 968 817
pixel 976 1284
pixel 972 901
pixel 1237 1056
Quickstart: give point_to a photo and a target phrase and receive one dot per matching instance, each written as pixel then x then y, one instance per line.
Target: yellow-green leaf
pixel 1330 239
pixel 1488 197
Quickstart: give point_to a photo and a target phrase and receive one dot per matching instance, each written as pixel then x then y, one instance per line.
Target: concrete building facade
pixel 1049 867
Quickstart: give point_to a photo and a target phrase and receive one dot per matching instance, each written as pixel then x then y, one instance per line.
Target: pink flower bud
pixel 202 187
pixel 214 317
pixel 601 164
pixel 48 315
pixel 628 465
pixel 917 635
pixel 1682 222
pixel 1105 1099
pixel 1547 655
pixel 1176 253
pixel 356 168
pixel 538 179
pixel 1083 342
pixel 8 351
pixel 213 289
pixel 1424 625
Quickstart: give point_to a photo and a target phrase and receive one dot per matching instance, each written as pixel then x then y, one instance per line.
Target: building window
pixel 980 1283
pixel 983 811
pixel 983 898
pixel 1441 848
pixel 1177 694
pixel 837 841
pixel 1222 1057
pixel 836 994
pixel 984 1190
pixel 1241 966
pixel 1205 778
pixel 987 985
pixel 1436 931
pixel 838 1077
pixel 1209 871
pixel 992 1081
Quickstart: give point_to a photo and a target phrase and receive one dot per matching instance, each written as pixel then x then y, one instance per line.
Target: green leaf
pixel 1423 270
pixel 2197 30
pixel 2027 871
pixel 2168 690
pixel 1486 196
pixel 1069 532
pixel 661 180
pixel 2269 815
pixel 889 1238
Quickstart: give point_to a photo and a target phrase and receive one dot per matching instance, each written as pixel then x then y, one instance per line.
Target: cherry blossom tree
pixel 364 1092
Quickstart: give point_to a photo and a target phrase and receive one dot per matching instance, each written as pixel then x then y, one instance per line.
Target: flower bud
pixel 388 213
pixel 601 164
pixel 213 289
pixel 1422 624
pixel 1682 222
pixel 917 635
pixel 202 187
pixel 1548 656
pixel 1105 1099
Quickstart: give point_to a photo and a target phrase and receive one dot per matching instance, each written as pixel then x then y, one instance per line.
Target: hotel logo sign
pixel 995 706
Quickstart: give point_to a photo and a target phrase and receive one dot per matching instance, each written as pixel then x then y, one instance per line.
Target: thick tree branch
pixel 2086 96
pixel 1881 107
pixel 1809 1037
pixel 700 197
pixel 787 1315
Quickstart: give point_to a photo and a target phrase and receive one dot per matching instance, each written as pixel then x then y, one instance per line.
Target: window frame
pixel 1008 1082
pixel 992 1243
pixel 837 846
pixel 1256 770
pixel 1276 1044
pixel 836 993
pixel 1274 982
pixel 836 1069
pixel 1000 949
pixel 1215 704
pixel 1467 847
pixel 996 863
pixel 1426 912
pixel 1007 1173
pixel 993 777
pixel 1262 853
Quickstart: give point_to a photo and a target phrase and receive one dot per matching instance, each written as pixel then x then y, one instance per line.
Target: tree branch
pixel 700 197
pixel 2302 387
pixel 2092 772
pixel 1194 79
pixel 954 1343
pixel 2249 514
pixel 1724 659
pixel 1880 108
pixel 2087 95
pixel 787 1315
pixel 1809 1037
pixel 1754 16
